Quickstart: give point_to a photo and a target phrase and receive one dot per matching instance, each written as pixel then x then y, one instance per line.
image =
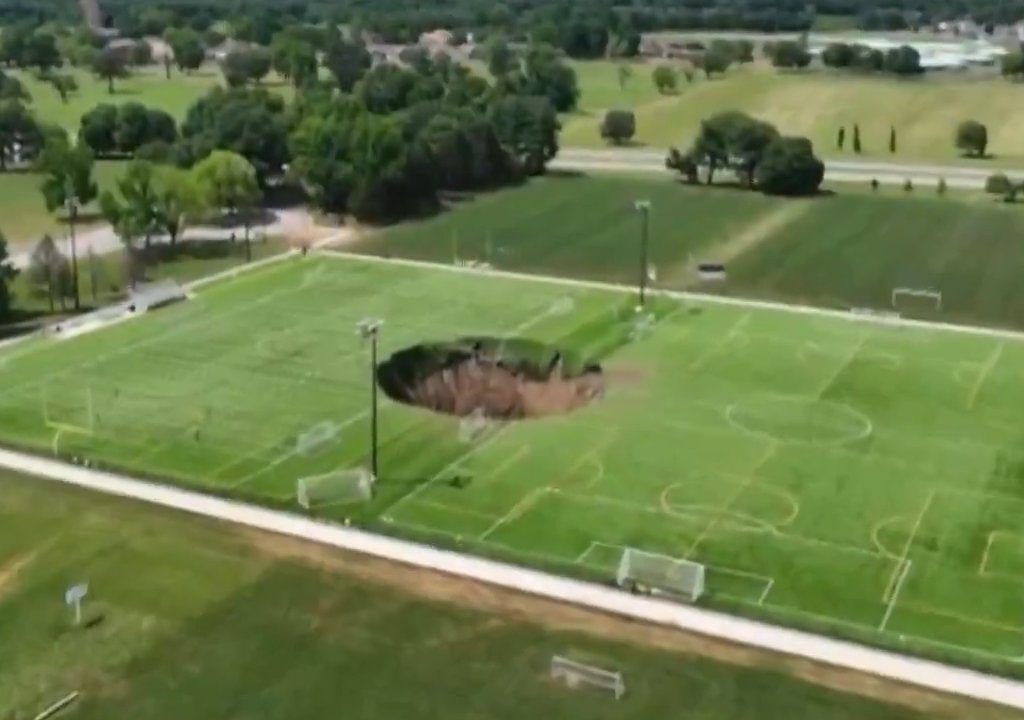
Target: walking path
pixel 923 673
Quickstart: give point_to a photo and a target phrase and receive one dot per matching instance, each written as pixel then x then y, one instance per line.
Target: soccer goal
pixel 334 488
pixel 905 298
pixel 660 575
pixel 313 440
pixel 576 674
pixel 69 410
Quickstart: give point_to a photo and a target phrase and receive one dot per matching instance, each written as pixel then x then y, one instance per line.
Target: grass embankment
pixel 186 618
pixel 846 250
pixel 815 103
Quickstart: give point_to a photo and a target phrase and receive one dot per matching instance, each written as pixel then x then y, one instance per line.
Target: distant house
pixel 436 38
pixel 226 48
pixel 123 48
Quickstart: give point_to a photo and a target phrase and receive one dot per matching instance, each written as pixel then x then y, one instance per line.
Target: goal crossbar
pixel 575 674
pixel 334 488
pixel 917 293
pixel 660 574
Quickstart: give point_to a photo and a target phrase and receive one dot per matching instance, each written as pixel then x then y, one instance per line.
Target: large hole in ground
pixel 500 378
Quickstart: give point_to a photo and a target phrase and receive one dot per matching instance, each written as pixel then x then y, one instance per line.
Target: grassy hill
pixel 925 111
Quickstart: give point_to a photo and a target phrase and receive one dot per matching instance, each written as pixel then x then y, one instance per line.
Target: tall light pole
pixel 644 208
pixel 369 329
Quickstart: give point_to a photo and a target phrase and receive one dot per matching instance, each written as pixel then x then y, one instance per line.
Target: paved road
pixel 649 160
pixel 923 673
pixel 103 240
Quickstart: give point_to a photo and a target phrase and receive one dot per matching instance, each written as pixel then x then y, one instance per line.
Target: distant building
pixel 436 38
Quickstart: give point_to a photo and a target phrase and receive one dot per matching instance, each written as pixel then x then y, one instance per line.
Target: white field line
pixel 517 510
pixel 767 590
pixel 982 331
pixel 990 363
pixel 904 571
pixel 890 588
pixel 916 671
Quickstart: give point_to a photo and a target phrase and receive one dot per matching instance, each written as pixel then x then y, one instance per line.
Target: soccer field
pixel 858 477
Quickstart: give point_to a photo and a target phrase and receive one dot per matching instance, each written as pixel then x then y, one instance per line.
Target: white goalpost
pixel 71 412
pixel 334 488
pixel 474 426
pixel 660 575
pixel 928 296
pixel 574 674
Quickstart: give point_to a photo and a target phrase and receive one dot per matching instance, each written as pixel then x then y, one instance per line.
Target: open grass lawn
pixel 23 214
pixel 189 619
pixel 147 85
pixel 846 250
pixel 833 474
pixel 814 104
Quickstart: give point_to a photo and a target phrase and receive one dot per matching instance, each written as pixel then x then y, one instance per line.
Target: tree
pixel 841 137
pixel 187 46
pixel 618 126
pixel 867 59
pixel 1012 65
pixel 544 74
pixel 788 167
pixel 178 201
pixel 388 88
pixel 684 164
pixel 64 84
pixel 68 185
pixel 1000 184
pixel 133 212
pixel 838 55
pixel 501 59
pixel 734 140
pixel 528 128
pixel 250 122
pixel 20 134
pixel 715 61
pixel 665 79
pixel 790 54
pixel 892 139
pixel 7 274
pixel 903 60
pixel 347 62
pixel 972 138
pixel 13 43
pixel 109 65
pixel 141 53
pixel 11 88
pixel 49 272
pixel 294 59
pixel 228 181
pixel 98 129
pixel 856 138
pixel 41 52
pixel 246 65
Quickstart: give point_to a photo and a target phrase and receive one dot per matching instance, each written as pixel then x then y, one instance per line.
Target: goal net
pixel 334 488
pixel 907 299
pixel 69 409
pixel 576 674
pixel 660 574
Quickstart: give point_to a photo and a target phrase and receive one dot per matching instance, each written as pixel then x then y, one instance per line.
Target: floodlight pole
pixel 369 330
pixel 644 208
pixel 72 208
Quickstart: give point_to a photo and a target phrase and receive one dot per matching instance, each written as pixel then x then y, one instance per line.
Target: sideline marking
pixel 895 594
pixel 889 589
pixel 986 369
pixel 517 511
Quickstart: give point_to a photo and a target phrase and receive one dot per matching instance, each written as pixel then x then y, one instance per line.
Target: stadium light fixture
pixel 369 329
pixel 644 208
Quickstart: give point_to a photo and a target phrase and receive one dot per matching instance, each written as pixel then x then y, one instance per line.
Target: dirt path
pixel 522 607
pixel 752 235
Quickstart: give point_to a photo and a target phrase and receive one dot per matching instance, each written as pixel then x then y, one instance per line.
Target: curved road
pixel 649 160
pixel 924 673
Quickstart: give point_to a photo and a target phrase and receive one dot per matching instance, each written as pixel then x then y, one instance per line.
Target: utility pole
pixel 369 329
pixel 644 208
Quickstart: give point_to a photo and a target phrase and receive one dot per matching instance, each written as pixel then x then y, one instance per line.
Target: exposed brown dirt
pixel 463 384
pixel 523 607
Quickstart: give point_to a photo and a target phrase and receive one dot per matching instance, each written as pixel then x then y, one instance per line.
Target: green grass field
pixel 23 214
pixel 192 619
pixel 847 250
pixel 831 474
pixel 814 104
